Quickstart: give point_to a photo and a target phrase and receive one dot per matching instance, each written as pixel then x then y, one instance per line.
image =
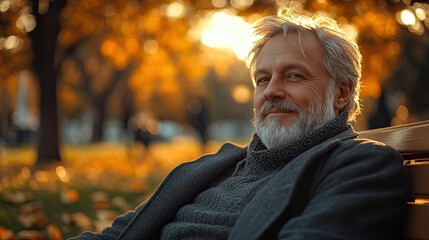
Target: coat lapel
pixel 272 200
pixel 180 187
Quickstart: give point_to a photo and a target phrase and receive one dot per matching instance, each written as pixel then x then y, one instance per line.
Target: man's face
pixel 284 73
pixel 291 82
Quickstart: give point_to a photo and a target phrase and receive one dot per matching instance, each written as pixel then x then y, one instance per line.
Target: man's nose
pixel 274 90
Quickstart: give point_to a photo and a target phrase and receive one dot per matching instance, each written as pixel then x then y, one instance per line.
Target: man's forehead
pixel 304 45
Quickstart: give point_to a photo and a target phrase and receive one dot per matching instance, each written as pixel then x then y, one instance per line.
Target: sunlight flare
pixel 225 30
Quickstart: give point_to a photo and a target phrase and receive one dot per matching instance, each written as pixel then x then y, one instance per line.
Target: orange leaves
pixel 380 58
pixel 156 70
pixel 115 53
pixel 67 37
pixel 70 100
pixel 150 22
pixel 132 46
pixel 193 66
pixel 378 25
pixel 108 47
pixel 121 50
pixel 106 180
pixel 135 35
pixel 371 86
pixel 6 234
pixel 69 196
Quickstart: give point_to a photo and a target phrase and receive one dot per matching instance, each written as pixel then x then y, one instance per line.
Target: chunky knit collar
pixel 261 160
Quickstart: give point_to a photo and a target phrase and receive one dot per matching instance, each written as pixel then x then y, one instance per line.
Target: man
pixel 305 174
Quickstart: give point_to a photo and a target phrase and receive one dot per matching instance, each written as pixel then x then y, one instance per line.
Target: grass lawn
pixel 92 185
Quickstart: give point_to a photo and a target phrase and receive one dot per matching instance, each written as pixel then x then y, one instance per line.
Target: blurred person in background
pixel 305 174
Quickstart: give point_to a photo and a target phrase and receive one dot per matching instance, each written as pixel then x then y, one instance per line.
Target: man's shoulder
pixel 228 145
pixel 366 151
pixel 367 144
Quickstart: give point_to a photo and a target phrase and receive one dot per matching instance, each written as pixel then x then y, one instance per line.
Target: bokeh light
pixel 4 6
pixel 414 17
pixel 62 174
pixel 241 4
pixel 402 113
pixel 241 93
pixel 407 17
pixel 151 46
pixel 174 10
pixel 420 14
pixel 219 3
pixel 351 30
pixel 226 30
pixel 11 42
pixel 25 173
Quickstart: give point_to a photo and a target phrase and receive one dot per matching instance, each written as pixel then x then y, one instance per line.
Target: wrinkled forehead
pixel 302 46
pixel 306 42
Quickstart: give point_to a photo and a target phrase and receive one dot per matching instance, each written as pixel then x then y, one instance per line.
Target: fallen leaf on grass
pixel 82 221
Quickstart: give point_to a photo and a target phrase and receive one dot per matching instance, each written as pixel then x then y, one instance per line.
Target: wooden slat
pixel 417 222
pixel 412 141
pixel 419 179
pixel 407 138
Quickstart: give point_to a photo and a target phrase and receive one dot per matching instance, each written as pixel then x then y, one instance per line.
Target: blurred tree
pixel 14 58
pixel 90 79
pixel 409 80
pixel 44 41
pixel 95 46
pixel 134 42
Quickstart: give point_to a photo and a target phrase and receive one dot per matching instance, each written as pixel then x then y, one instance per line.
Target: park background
pixel 99 100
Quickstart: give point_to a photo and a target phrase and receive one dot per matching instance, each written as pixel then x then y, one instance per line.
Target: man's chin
pixel 273 136
pixel 278 121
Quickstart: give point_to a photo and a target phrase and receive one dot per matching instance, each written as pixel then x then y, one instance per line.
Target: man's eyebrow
pixel 287 66
pixel 259 71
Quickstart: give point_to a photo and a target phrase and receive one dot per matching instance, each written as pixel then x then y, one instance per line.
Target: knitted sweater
pixel 214 211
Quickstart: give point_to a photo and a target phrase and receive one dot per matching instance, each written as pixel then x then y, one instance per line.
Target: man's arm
pixel 361 193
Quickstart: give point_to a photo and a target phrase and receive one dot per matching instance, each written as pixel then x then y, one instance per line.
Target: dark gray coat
pixel 344 188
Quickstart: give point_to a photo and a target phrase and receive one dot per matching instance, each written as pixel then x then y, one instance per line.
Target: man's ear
pixel 342 96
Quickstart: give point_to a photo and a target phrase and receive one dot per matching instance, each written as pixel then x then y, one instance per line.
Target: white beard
pixel 273 134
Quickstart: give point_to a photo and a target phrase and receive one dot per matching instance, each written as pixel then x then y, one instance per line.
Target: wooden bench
pixel 412 141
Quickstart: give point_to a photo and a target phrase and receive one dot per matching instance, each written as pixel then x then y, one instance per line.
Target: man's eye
pixel 262 80
pixel 295 76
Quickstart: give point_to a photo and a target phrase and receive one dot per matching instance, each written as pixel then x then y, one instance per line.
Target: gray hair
pixel 342 56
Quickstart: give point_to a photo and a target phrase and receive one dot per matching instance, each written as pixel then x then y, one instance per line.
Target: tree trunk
pixel 99 118
pixel 4 113
pixel 44 39
pixel 100 102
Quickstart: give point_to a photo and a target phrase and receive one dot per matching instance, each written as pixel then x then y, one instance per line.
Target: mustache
pixel 281 105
